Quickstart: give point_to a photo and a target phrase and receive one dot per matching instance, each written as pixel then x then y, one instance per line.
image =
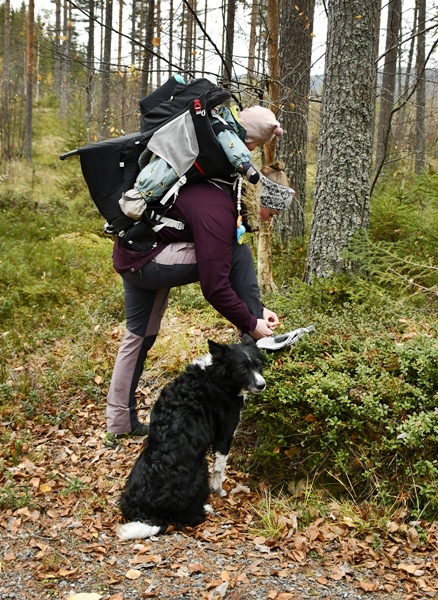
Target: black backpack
pixel 111 167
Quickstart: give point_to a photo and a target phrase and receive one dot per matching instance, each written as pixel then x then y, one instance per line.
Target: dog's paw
pixel 209 509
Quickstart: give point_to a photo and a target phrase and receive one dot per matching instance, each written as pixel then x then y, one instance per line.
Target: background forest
pixel 350 412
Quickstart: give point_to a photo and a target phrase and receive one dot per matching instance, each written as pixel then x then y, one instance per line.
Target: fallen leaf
pixel 133 574
pixel 272 595
pixel 219 591
pixel 63 572
pixel 225 576
pixel 366 586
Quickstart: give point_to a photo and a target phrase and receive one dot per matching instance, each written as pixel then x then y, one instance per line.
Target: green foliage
pixel 353 405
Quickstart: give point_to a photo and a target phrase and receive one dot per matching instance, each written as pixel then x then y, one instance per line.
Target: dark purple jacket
pixel 210 215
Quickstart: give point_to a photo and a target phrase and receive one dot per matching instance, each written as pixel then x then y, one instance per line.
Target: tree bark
pixel 227 71
pixel 342 185
pixel 5 145
pixel 89 84
pixel 296 26
pixel 252 43
pixel 146 76
pixel 106 72
pixel 57 49
pixel 265 278
pixel 388 80
pixel 29 82
pixel 420 137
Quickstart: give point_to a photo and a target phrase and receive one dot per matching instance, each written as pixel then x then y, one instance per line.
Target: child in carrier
pixel 246 130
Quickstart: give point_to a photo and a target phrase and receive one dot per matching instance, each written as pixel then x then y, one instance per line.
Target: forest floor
pixel 62 544
pixel 59 533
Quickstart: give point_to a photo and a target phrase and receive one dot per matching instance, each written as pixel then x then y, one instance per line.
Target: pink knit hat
pixel 260 124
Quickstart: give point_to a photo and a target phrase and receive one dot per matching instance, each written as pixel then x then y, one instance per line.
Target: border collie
pixel 199 410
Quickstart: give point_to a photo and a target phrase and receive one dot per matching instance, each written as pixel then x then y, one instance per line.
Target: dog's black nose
pixel 261 385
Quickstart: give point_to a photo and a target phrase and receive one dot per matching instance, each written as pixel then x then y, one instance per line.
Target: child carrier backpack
pixel 175 125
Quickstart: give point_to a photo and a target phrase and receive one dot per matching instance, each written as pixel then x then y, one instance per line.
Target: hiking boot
pixel 141 430
pixel 113 439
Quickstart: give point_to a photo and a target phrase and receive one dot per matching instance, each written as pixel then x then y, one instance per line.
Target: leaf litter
pixel 60 541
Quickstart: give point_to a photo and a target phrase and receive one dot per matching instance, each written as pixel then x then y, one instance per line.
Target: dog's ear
pixel 217 350
pixel 247 340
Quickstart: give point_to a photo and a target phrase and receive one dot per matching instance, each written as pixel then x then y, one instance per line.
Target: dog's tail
pixel 138 530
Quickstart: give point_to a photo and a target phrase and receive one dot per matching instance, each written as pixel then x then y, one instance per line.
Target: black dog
pixel 198 410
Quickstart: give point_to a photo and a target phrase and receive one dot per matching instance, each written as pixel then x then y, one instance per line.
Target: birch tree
pixel 342 185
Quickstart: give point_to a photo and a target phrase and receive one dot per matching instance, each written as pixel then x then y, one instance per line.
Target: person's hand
pixel 263 329
pixel 250 172
pixel 271 317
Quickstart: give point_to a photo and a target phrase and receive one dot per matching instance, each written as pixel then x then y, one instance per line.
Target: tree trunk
pixel 401 132
pixel 159 42
pixel 146 76
pixel 204 39
pixel 89 84
pixel 120 37
pixel 342 185
pixel 57 49
pixel 5 139
pixel 171 19
pixel 188 37
pixel 227 70
pixel 388 81
pixel 266 280
pixel 133 32
pixel 420 137
pixel 29 82
pixel 106 72
pixel 296 28
pixel 65 64
pixel 252 43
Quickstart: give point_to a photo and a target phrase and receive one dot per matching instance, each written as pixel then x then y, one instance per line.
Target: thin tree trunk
pixel 295 63
pixel 188 40
pixel 146 75
pixel 5 145
pixel 158 47
pixel 171 23
pixel 400 135
pixel 252 43
pixel 388 80
pixel 120 37
pixel 133 32
pixel 57 49
pixel 204 39
pixel 229 41
pixel 64 61
pixel 29 82
pixel 420 138
pixel 342 185
pixel 266 281
pixel 106 72
pixel 89 85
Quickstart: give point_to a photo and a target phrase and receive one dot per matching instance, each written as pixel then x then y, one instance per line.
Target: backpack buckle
pixel 198 107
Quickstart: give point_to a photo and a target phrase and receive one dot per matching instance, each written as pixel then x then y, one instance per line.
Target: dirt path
pixel 61 539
